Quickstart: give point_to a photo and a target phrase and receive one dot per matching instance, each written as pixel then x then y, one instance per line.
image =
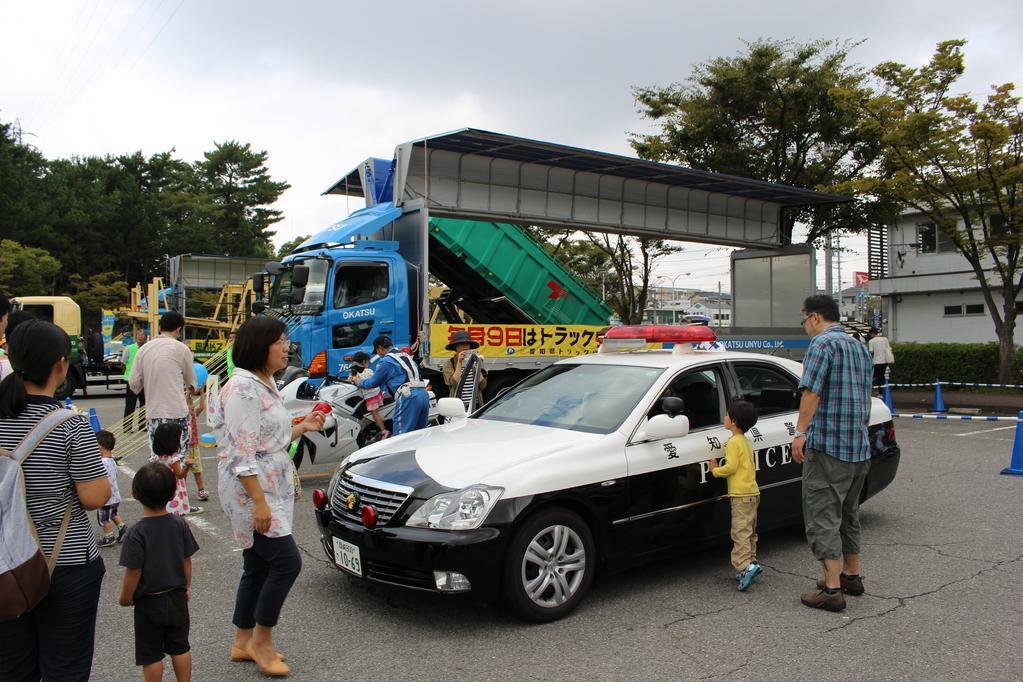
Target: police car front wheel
pixel 550 565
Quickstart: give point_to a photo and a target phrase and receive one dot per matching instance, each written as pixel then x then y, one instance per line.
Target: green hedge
pixel 967 362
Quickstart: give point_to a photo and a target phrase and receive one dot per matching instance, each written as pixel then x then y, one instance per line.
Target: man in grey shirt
pixel 163 370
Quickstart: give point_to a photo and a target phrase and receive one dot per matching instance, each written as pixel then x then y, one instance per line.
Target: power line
pixel 84 58
pixel 125 29
pixel 157 35
pixel 65 58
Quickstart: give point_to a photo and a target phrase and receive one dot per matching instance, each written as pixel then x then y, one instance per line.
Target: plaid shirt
pixel 839 369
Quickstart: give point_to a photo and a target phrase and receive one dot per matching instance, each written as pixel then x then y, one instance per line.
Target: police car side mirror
pixel 662 426
pixel 672 406
pixel 451 408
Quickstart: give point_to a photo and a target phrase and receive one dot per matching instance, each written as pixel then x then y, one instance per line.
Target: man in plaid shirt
pixel 832 445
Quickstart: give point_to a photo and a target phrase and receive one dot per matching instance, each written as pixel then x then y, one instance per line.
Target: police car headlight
pixel 460 510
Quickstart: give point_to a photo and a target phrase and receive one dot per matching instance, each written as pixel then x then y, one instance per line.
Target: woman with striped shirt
pixel 54 641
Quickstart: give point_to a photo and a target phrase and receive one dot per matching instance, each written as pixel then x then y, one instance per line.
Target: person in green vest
pixel 229 357
pixel 131 398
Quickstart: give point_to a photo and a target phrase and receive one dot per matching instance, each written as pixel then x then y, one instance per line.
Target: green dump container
pixel 515 264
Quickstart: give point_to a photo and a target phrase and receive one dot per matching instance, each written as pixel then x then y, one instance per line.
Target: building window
pixel 932 240
pixel 951 310
pixel 1019 307
pixel 975 309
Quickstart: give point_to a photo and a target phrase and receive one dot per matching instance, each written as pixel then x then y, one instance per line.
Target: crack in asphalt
pixel 903 601
pixel 728 673
pixel 933 548
pixel 694 616
pixel 309 554
pixel 795 575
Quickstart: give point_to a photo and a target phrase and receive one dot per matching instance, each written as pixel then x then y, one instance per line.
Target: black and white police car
pixel 588 465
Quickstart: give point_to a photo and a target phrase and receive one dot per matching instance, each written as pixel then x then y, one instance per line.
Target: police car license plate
pixel 348 556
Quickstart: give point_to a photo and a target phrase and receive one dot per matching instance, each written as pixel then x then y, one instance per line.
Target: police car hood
pixel 469 451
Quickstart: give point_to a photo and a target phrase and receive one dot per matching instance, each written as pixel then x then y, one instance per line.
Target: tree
pixel 769 113
pixel 617 266
pixel 106 290
pixel 26 271
pixel 632 261
pixel 958 162
pixel 289 246
pixel 22 167
pixel 236 181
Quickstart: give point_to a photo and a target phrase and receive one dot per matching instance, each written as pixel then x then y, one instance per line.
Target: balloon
pixel 201 374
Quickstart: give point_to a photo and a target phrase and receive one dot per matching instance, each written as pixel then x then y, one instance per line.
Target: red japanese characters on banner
pixel 499 340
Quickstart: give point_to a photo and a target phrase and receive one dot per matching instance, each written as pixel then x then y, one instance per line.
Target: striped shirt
pixel 839 369
pixel 69 453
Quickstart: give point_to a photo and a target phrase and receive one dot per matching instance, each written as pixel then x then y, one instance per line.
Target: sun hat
pixel 461 336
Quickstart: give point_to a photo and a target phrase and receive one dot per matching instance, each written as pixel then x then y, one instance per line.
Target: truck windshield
pixel 315 290
pixel 588 398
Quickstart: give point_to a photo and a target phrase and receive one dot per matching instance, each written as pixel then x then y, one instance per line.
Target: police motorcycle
pixel 348 426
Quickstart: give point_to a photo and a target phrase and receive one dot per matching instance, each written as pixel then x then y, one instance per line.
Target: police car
pixel 589 465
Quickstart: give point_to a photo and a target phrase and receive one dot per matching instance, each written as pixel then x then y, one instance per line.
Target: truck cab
pixel 348 292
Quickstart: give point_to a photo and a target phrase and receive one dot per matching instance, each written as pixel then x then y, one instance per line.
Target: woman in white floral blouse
pixel 256 485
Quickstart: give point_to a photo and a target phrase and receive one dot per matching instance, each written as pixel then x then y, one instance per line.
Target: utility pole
pixel 719 305
pixel 838 267
pixel 828 275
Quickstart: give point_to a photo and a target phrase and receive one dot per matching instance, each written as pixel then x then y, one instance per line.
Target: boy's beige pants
pixel 744 531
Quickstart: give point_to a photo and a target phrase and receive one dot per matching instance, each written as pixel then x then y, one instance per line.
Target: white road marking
pixel 974 433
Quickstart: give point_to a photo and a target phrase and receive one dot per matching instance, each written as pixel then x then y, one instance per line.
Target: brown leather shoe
pixel 850 586
pixel 823 600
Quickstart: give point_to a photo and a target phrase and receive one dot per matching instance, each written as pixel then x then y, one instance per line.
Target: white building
pixel 666 305
pixel 929 292
pixel 852 303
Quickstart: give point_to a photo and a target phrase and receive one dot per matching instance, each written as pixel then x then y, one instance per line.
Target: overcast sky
pixel 323 85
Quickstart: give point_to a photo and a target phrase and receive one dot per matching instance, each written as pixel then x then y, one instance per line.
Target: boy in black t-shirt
pixel 157 555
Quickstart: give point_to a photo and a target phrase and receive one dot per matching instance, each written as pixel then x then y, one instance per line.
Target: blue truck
pixel 371 273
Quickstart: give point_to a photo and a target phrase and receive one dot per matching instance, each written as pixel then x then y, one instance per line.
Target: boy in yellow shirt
pixel 740 470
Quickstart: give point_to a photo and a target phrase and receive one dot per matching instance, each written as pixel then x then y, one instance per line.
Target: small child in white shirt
pixel 107 515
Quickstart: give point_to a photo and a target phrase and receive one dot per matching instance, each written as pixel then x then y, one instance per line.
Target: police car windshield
pixel 588 398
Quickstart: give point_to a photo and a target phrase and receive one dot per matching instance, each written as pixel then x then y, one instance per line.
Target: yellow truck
pixel 86 355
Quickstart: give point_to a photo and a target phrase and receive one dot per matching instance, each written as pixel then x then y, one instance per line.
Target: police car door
pixel 774 392
pixel 671 495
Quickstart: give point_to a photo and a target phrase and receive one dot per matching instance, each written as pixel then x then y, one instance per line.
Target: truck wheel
pixel 67 387
pixel 549 566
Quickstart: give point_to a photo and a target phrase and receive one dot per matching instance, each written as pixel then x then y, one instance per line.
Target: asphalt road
pixel 942 558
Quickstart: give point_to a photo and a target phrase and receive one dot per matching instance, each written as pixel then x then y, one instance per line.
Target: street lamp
pixel 652 301
pixel 674 303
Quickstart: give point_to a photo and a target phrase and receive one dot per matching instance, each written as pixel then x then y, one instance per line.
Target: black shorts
pixel 161 626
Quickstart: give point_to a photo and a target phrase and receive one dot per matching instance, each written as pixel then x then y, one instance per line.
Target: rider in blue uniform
pixel 396 373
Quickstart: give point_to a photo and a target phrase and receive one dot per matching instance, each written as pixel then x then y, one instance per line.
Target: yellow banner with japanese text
pixel 515 340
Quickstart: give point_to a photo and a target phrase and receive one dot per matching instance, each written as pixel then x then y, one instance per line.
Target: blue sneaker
pixel 751 572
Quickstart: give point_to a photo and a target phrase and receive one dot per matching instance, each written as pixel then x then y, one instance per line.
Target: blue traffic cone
pixel 94 420
pixel 888 396
pixel 939 398
pixel 1015 467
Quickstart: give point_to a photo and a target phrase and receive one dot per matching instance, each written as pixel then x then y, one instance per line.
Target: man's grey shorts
pixel 831 503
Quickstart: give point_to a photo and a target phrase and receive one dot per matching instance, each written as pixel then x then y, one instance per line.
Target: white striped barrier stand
pixel 951 417
pixel 952 383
